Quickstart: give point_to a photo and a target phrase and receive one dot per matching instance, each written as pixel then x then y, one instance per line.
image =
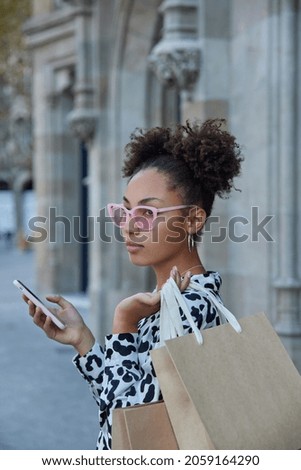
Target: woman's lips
pixel 133 247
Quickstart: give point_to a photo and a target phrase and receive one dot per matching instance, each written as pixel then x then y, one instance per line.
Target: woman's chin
pixel 138 261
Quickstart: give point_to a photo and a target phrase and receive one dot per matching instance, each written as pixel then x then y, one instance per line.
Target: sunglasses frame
pixel 130 213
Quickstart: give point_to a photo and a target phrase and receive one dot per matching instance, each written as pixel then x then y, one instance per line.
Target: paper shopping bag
pixel 142 427
pixel 234 391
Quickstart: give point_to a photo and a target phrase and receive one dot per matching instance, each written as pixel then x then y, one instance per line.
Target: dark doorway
pixel 84 229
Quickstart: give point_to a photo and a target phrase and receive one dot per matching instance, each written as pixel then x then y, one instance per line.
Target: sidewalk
pixel 44 402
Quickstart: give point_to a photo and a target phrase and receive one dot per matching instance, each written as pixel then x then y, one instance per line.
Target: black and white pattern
pixel 121 373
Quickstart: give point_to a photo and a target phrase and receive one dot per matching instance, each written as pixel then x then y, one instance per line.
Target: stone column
pixel 176 58
pixel 82 118
pixel 287 283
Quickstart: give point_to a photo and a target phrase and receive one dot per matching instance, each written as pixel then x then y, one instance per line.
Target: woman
pixel 174 175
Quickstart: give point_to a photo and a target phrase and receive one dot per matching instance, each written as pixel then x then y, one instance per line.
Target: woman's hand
pixel 76 333
pixel 131 310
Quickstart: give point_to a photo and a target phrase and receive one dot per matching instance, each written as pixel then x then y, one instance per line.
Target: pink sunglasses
pixel 143 216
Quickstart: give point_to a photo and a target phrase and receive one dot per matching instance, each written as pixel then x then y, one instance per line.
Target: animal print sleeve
pixel 111 370
pixel 122 369
pixel 91 367
pixel 202 310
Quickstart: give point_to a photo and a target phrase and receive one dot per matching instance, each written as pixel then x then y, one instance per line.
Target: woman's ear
pixel 196 219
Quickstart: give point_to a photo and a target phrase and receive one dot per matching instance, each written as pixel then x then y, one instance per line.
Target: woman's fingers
pixel 48 327
pixel 26 299
pixel 57 299
pixel 75 326
pixel 31 308
pixel 176 275
pixel 155 297
pixel 39 317
pixel 182 282
pixel 185 281
pixel 148 298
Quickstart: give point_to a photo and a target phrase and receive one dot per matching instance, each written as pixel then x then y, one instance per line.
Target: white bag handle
pixel 170 319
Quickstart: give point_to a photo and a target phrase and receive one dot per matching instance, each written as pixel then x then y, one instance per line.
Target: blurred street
pixel 44 402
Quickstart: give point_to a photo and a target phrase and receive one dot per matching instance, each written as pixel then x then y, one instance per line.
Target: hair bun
pixel 210 152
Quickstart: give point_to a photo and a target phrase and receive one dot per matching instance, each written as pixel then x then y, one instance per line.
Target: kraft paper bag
pixel 234 391
pixel 142 427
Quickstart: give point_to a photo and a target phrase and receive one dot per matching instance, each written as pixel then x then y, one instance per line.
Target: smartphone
pixel 31 296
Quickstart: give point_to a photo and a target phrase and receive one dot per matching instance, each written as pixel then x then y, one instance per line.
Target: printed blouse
pixel 121 373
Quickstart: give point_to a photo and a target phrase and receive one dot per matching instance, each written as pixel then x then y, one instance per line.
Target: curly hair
pixel 200 160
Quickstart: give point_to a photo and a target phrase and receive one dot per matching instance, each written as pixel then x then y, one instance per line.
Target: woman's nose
pixel 132 225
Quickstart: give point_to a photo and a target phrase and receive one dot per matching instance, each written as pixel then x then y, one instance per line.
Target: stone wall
pixel 248 69
pixel 56 151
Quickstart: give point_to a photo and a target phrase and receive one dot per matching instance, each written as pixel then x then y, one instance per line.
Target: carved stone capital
pixel 83 123
pixel 176 64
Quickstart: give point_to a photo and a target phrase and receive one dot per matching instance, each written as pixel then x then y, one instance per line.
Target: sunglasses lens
pixel 118 216
pixel 141 223
pixel 143 218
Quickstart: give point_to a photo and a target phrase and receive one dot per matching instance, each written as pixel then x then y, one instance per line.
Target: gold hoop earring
pixel 191 242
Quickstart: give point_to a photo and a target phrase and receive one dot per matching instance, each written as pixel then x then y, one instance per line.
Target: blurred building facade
pixel 101 68
pixel 15 121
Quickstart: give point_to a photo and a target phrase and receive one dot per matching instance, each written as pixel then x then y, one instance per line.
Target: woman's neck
pixel 191 263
